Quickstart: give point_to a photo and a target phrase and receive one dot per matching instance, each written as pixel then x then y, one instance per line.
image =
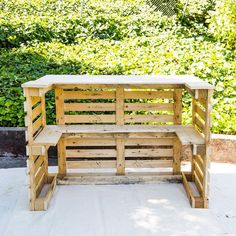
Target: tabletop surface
pixel 189 81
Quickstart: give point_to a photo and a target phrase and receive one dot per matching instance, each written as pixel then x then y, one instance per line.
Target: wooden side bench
pixel 123 123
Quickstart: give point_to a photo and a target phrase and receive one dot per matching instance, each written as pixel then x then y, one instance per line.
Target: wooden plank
pixel 89 106
pixel 48 136
pixel 198 159
pixel 148 118
pixel 148 106
pixel 199 123
pixel 200 112
pixel 39 175
pixel 38 163
pixel 188 190
pixel 178 106
pixel 35 100
pixel 90 164
pixel 36 111
pixel 119 106
pixel 81 142
pixel 149 142
pixel 89 95
pixel 189 81
pixel 90 118
pixel 149 152
pixel 61 150
pixel 198 183
pixel 129 178
pixel 199 173
pixel 148 94
pixel 86 153
pixel 177 156
pixel 59 100
pixel 148 163
pixel 37 125
pixel 120 156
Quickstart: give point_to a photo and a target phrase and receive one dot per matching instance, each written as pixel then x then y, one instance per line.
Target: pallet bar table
pixel 117 122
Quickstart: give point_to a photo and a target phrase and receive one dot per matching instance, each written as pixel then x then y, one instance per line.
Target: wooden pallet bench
pixel 129 125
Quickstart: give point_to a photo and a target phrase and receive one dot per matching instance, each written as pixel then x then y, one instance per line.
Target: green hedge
pixel 49 37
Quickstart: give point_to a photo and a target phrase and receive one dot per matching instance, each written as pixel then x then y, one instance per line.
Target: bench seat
pixel 51 134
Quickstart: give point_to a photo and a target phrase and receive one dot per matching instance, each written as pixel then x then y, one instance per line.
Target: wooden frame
pixel 117 122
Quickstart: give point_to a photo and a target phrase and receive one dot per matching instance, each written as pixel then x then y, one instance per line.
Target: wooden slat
pixel 90 164
pixel 148 163
pixel 61 150
pixel 86 153
pixel 199 173
pixel 148 94
pixel 39 175
pixel 36 111
pixel 149 106
pixel 120 158
pixel 89 142
pixel 37 124
pixel 188 190
pixel 199 123
pixel 89 106
pixel 199 161
pixel 90 118
pixel 148 118
pixel 149 141
pixel 200 112
pixel 119 106
pixel 35 100
pixel 89 94
pixel 178 106
pixel 149 152
pixel 111 142
pixel 38 163
pixel 177 156
pixel 198 183
pixel 59 100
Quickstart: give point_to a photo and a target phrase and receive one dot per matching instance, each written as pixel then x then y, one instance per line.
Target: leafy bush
pixel 223 22
pixel 49 37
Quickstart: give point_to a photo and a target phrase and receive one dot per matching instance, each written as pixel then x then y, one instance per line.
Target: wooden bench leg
pixel 61 152
pixel 120 159
pixel 177 157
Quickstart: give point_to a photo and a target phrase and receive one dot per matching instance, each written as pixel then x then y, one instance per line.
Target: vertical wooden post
pixel 177 121
pixel 61 149
pixel 120 147
pixel 177 157
pixel 120 159
pixel 59 99
pixel 60 120
pixel 206 159
pixel 178 106
pixel 29 139
pixel 193 123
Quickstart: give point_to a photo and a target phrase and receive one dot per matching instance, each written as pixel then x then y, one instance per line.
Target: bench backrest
pixel 118 106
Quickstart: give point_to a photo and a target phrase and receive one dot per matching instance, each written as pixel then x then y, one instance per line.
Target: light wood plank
pixel 148 163
pixel 59 100
pixel 36 111
pixel 148 106
pixel 148 118
pixel 148 94
pixel 120 158
pixel 90 118
pixel 149 152
pixel 89 107
pixel 90 164
pixel 37 125
pixel 61 152
pixel 119 106
pixel 89 95
pixel 87 153
pixel 177 156
pixel 177 106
